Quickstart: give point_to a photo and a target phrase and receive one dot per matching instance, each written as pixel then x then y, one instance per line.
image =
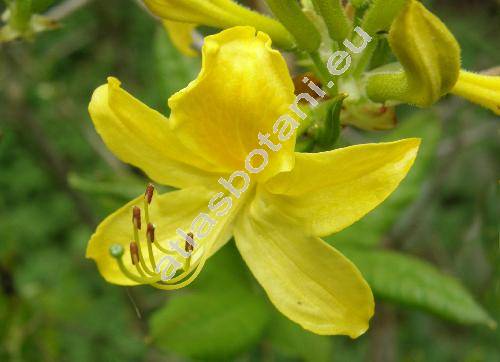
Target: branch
pixel 65 9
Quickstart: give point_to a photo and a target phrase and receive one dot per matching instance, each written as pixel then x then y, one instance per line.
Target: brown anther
pixel 134 252
pixel 188 246
pixel 149 193
pixel 136 217
pixel 350 11
pixel 301 87
pixel 150 233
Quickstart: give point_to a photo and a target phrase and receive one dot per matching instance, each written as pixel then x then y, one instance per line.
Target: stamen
pixel 148 197
pixel 134 253
pixel 188 247
pixel 116 251
pixel 136 220
pixel 152 277
pixel 199 266
pixel 150 235
pixel 136 217
pixel 176 282
pixel 139 270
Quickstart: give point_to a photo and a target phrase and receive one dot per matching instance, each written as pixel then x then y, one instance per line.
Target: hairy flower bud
pixel 218 14
pixel 429 55
pixel 479 88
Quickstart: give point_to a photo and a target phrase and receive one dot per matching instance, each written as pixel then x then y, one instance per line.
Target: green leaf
pixel 219 318
pixel 210 325
pixel 37 6
pixel 409 281
pixel 370 230
pixel 174 70
pixel 292 341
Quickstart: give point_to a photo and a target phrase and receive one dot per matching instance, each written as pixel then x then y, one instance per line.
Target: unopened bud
pixel 136 217
pixel 134 252
pixel 149 193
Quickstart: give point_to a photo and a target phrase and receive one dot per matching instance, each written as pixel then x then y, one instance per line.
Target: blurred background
pixel 436 302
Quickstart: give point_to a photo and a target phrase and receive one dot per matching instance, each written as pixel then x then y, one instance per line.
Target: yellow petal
pixel 168 212
pixel 481 89
pixel 142 137
pixel 307 280
pixel 181 35
pixel 219 14
pixel 243 88
pixel 328 191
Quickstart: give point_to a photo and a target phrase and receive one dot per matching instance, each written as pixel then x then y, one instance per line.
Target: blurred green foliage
pixel 57 180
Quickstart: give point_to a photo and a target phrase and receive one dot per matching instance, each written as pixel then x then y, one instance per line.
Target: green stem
pixel 363 60
pixel 20 14
pixel 141 256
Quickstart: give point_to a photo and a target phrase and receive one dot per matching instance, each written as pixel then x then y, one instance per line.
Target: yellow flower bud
pixel 481 89
pixel 429 55
pixel 219 14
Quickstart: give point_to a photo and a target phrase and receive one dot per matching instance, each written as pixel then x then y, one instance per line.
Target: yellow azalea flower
pixel 219 14
pixel 181 35
pixel 481 89
pixel 238 104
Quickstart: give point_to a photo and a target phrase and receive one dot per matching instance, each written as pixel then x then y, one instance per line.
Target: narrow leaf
pixel 409 281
